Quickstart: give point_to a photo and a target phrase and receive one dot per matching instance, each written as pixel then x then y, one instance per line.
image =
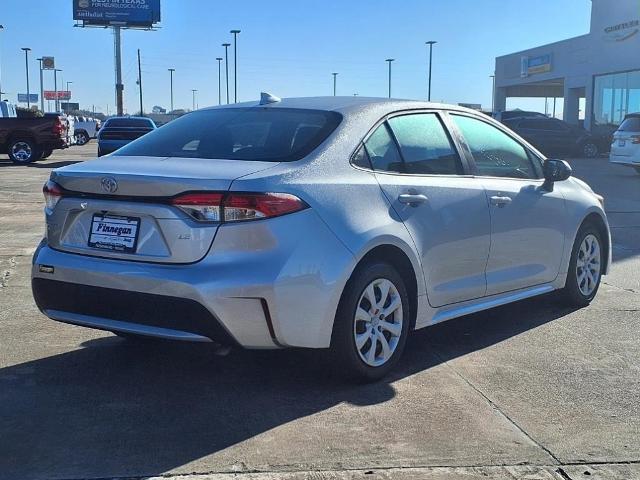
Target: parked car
pixel 555 137
pixel 513 114
pixel 625 149
pixel 119 131
pixel 340 223
pixel 85 129
pixel 28 139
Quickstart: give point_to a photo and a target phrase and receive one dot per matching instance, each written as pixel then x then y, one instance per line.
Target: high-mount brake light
pixel 52 194
pixel 235 207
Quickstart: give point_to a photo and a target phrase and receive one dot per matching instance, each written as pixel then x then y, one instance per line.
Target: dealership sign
pixel 622 31
pixel 126 13
pixel 62 94
pixel 24 98
pixel 533 65
pixel 48 63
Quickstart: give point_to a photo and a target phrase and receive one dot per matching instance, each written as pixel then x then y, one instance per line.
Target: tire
pixel 589 149
pixel 580 289
pixel 22 152
pixel 46 154
pixel 637 169
pixel 82 138
pixel 357 318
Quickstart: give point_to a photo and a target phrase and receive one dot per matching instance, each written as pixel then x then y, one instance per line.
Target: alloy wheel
pixel 21 151
pixel 377 325
pixel 588 265
pixel 590 150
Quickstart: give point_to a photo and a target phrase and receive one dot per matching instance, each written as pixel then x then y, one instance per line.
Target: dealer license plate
pixel 118 234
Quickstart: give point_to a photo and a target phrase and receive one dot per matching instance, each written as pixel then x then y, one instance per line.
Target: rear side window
pixel 494 152
pixel 259 133
pixel 631 124
pixel 129 123
pixel 382 150
pixel 425 146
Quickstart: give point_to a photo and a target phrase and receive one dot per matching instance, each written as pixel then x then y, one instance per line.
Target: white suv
pixel 625 148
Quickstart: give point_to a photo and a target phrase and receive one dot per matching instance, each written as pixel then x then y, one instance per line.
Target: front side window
pixel 382 150
pixel 425 146
pixel 265 134
pixel 494 152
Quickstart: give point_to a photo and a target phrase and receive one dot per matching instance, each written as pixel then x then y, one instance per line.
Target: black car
pixel 555 137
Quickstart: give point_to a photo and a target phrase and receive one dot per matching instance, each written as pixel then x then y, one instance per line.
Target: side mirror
pixel 555 171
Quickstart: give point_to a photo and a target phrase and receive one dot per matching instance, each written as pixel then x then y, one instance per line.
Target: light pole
pixel 26 64
pixel 193 94
pixel 226 67
pixel 68 91
pixel 171 70
pixel 430 43
pixel 335 74
pixel 389 60
pixel 493 92
pixel 235 64
pixel 1 92
pixel 56 101
pixel 41 86
pixel 219 59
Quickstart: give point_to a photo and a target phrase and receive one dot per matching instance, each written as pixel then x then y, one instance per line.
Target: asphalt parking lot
pixel 527 391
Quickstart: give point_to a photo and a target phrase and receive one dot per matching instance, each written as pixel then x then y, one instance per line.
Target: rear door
pixel 445 211
pixel 527 222
pixel 549 136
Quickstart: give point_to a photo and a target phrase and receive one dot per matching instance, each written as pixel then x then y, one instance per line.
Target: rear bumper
pixel 631 161
pixel 265 284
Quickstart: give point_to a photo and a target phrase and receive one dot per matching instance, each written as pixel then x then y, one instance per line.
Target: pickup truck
pixel 27 140
pixel 86 128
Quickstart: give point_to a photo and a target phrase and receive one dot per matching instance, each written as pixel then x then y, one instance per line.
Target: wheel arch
pixel 408 269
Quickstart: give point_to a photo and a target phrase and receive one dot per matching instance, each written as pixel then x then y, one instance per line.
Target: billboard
pixel 69 106
pixel 126 13
pixel 48 63
pixel 33 98
pixel 62 94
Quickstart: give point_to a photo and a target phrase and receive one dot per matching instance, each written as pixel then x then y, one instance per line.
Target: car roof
pixel 346 104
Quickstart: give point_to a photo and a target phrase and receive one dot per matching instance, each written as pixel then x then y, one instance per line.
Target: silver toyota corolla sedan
pixel 340 223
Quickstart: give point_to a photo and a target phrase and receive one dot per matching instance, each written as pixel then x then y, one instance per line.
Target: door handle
pixel 500 200
pixel 412 199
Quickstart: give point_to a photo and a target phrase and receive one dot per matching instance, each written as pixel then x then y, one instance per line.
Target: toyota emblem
pixel 109 184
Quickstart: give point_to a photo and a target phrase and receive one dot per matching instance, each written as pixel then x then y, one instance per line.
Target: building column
pixel 588 105
pixel 571 105
pixel 500 99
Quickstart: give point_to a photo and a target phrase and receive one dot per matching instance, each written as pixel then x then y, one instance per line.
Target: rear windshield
pixel 260 133
pixel 129 122
pixel 631 124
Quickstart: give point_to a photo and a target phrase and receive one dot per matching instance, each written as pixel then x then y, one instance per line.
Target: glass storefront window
pixel 614 96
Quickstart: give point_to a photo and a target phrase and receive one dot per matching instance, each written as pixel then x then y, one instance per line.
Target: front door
pixel 446 212
pixel 527 222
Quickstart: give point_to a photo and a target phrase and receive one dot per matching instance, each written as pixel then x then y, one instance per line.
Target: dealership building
pixel 596 76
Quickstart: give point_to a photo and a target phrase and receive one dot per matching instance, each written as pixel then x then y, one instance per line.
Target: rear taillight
pixel 52 194
pixel 635 139
pixel 58 127
pixel 234 207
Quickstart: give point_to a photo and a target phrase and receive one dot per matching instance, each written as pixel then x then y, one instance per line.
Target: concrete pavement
pixel 530 391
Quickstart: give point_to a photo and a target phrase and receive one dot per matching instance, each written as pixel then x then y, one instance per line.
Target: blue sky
pixel 287 47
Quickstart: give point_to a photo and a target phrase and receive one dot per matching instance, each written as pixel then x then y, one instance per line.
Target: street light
pixel 41 86
pixel 335 74
pixel 56 101
pixel 171 70
pixel 67 91
pixel 493 92
pixel 1 92
pixel 193 94
pixel 235 64
pixel 430 43
pixel 26 64
pixel 219 59
pixel 226 67
pixel 389 60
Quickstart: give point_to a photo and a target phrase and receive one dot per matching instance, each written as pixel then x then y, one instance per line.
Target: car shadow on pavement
pixel 44 164
pixel 120 408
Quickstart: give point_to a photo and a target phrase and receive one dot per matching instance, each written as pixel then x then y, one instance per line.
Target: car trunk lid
pixel 119 207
